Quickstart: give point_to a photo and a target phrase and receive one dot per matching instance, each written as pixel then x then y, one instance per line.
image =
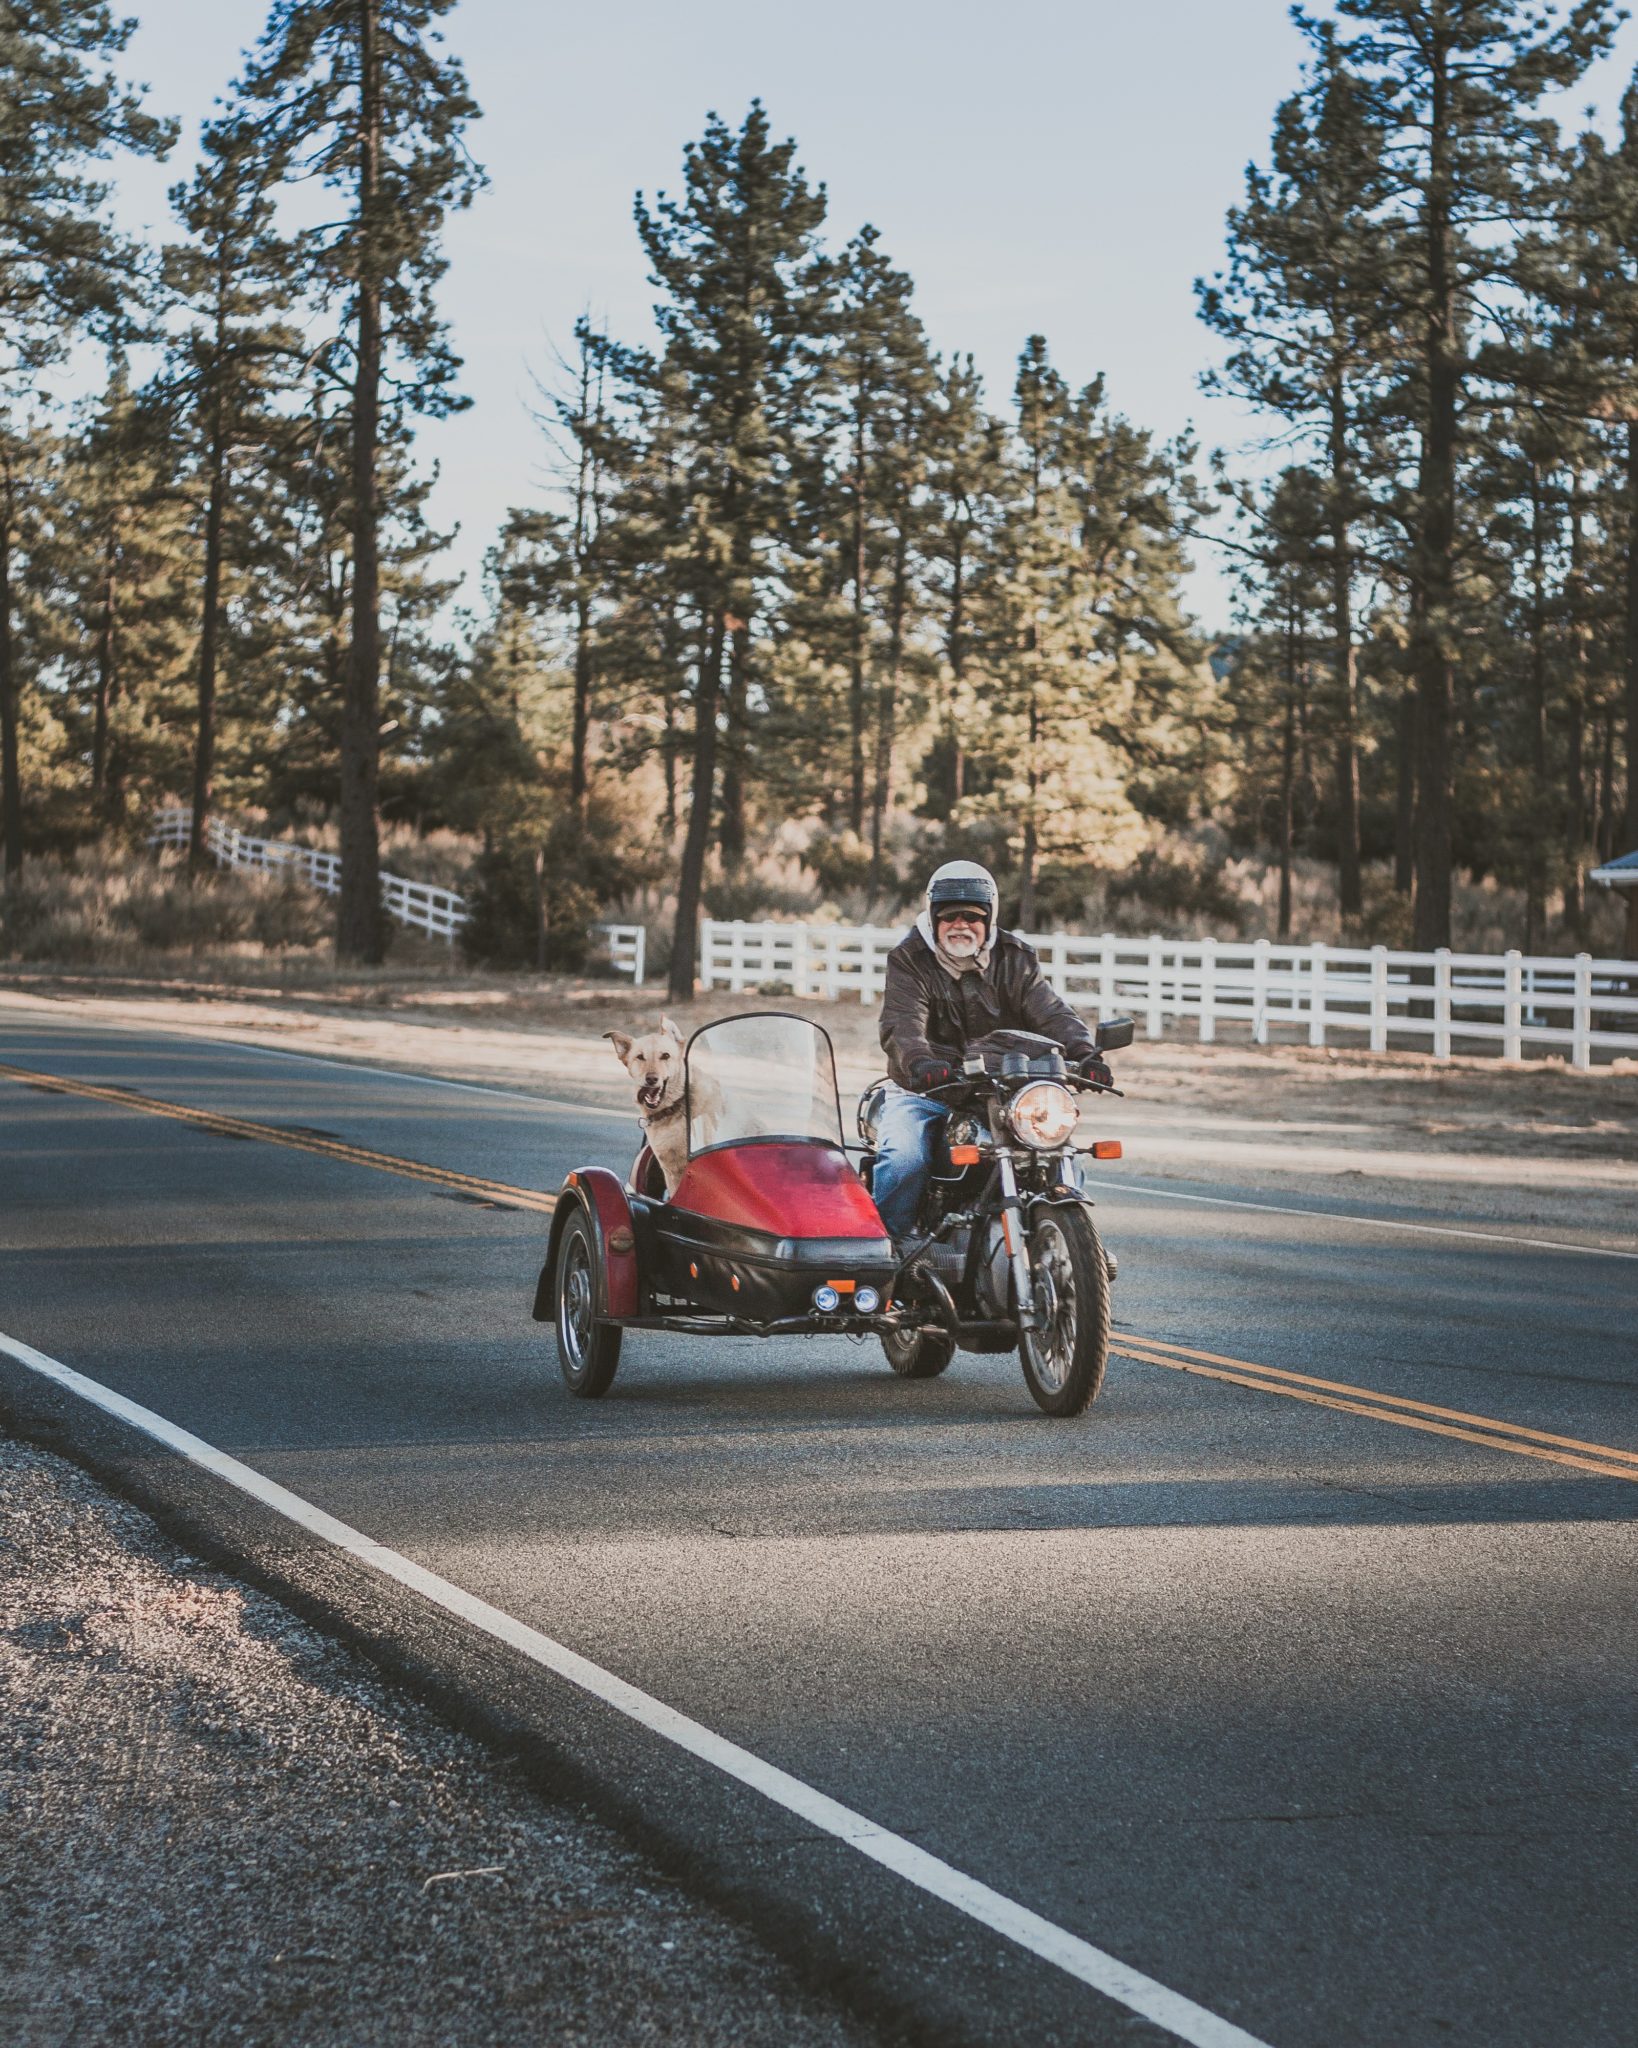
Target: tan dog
pixel 655 1063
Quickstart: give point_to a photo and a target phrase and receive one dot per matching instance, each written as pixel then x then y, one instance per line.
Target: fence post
pixel 1208 991
pixel 1152 991
pixel 1512 1005
pixel 1379 999
pixel 1106 975
pixel 1060 961
pixel 1441 1004
pixel 707 935
pixel 1581 1022
pixel 1259 992
pixel 639 965
pixel 1316 993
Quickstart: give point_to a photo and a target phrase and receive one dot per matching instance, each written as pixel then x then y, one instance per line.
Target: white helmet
pixel 964 881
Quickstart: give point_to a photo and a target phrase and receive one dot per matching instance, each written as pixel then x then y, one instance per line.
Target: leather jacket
pixel 928 1013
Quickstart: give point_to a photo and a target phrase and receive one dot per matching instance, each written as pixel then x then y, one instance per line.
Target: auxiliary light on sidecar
pixel 1043 1115
pixel 827 1299
pixel 866 1300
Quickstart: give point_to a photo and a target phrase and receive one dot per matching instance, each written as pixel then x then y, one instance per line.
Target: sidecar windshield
pixel 767 1075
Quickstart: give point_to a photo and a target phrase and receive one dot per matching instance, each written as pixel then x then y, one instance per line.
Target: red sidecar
pixel 769 1230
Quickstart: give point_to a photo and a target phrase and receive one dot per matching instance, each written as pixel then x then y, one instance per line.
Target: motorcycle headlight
pixel 1043 1116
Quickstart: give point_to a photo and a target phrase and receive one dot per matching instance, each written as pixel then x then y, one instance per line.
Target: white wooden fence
pixel 439 913
pixel 1434 1002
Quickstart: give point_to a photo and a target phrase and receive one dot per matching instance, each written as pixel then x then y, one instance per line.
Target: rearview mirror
pixel 1114 1032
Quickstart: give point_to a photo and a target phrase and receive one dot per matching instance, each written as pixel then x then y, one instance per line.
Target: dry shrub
pixel 108 906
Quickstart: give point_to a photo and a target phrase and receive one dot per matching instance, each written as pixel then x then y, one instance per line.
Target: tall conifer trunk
pixel 1437 539
pixel 956 646
pixel 856 649
pixel 732 834
pixel 11 780
pixel 1535 893
pixel 359 932
pixel 107 794
pixel 204 743
pixel 1350 888
pixel 691 876
pixel 1630 942
pixel 1288 776
pixel 1575 799
pixel 887 707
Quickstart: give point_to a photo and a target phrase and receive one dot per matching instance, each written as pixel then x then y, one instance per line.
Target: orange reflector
pixel 573 1181
pixel 1106 1148
pixel 844 1286
pixel 693 1272
pixel 733 1282
pixel 963 1155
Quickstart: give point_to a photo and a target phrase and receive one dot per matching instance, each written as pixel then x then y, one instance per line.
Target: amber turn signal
pixel 1106 1148
pixel 963 1155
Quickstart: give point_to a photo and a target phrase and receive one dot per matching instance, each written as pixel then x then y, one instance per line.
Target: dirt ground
pixel 1481 1138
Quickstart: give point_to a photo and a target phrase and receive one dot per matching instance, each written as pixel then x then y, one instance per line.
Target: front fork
pixel 1016 1238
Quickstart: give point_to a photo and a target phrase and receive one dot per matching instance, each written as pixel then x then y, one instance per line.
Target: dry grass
pixel 111 907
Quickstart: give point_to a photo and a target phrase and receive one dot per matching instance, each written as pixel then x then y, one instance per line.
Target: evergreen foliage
pixel 799 589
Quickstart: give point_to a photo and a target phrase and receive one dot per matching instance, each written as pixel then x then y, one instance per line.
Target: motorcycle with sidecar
pixel 771 1229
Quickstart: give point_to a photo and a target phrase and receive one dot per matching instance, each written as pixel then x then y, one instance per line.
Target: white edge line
pixel 1539 1244
pixel 1170 2010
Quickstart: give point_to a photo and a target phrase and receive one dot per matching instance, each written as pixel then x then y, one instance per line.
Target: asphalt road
pixel 1325 1722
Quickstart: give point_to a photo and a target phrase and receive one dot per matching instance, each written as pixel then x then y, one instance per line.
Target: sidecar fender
pixel 594 1192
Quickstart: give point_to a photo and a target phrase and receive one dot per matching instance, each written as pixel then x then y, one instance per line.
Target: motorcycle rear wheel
pixel 918 1354
pixel 1065 1360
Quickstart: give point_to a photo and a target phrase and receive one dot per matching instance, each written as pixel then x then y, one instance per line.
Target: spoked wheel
pixel 588 1352
pixel 1064 1359
pixel 918 1354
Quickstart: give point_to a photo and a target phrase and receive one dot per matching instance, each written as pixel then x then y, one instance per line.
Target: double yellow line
pixel 1487 1431
pixel 1494 1435
pixel 298 1141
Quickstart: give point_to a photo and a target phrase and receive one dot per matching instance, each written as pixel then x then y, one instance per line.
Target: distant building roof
pixel 1618 874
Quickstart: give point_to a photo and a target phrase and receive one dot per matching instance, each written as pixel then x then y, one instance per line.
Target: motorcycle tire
pixel 588 1352
pixel 1064 1363
pixel 918 1354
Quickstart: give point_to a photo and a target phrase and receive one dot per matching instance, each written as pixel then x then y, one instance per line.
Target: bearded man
pixel 955 978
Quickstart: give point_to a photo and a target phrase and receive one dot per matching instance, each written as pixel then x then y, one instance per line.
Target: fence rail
pixel 439 913
pixel 1519 1006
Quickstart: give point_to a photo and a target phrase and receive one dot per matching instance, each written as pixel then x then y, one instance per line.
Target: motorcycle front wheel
pixel 1065 1357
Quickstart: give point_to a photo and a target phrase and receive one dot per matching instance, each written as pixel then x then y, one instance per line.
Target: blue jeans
pixel 904 1157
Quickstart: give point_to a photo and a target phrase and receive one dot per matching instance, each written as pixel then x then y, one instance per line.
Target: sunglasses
pixel 961 917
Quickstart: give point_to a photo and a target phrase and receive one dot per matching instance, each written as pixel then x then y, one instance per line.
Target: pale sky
pixel 1062 168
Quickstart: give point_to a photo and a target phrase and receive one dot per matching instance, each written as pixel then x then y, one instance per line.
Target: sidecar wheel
pixel 918 1354
pixel 588 1352
pixel 1064 1360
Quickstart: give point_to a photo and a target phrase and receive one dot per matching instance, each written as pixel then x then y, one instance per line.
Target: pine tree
pixel 1453 87
pixel 229 368
pixel 1590 274
pixel 1304 305
pixel 63 270
pixel 358 94
pixel 733 258
pixel 964 475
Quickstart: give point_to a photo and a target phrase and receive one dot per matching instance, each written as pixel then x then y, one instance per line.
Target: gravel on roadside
pixel 218 1825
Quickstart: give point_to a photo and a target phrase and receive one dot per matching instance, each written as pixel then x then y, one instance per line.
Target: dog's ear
pixel 670 1029
pixel 622 1045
